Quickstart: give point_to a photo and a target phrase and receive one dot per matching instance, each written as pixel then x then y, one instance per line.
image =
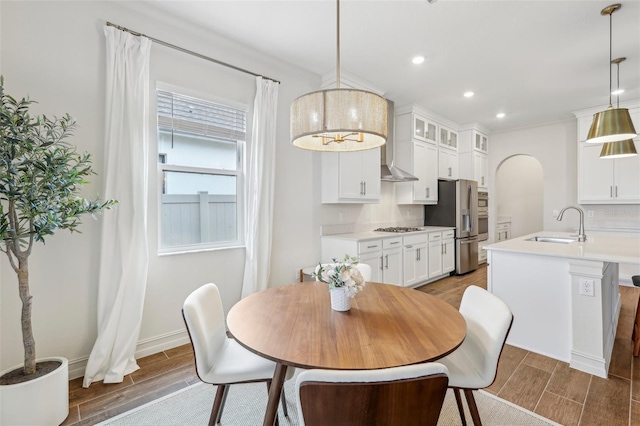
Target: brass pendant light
pixel 620 149
pixel 339 119
pixel 612 124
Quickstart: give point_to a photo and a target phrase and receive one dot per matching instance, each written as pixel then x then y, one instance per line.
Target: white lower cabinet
pixel 415 258
pixel 384 255
pixel 448 253
pixel 435 254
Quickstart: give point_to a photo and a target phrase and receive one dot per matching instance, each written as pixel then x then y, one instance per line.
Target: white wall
pixel 519 194
pixel 54 52
pixel 554 145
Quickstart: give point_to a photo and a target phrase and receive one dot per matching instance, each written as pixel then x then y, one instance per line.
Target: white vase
pixel 340 300
pixel 41 401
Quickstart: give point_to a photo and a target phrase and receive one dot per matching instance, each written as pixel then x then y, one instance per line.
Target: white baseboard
pixel 145 347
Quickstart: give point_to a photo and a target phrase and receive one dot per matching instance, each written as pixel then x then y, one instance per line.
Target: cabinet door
pixel 448 255
pixel 373 259
pixel 481 142
pixel 370 169
pixel 421 165
pixel 480 170
pixel 409 261
pixel 435 258
pixel 392 266
pixel 424 129
pixel 428 173
pixel 627 178
pixel 415 268
pixel 447 164
pixel 595 176
pixel 350 184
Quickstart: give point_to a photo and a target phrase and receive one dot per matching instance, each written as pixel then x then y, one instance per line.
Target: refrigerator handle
pixel 471 209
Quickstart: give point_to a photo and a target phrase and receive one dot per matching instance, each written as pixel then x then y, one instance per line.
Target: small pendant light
pixel 620 149
pixel 612 124
pixel 339 119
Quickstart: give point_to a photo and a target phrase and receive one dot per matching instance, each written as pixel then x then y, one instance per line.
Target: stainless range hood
pixel 388 171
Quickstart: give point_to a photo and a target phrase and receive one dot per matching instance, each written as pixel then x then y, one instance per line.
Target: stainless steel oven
pixel 483 216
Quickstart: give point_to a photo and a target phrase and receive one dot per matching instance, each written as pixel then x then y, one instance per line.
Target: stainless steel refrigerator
pixel 458 206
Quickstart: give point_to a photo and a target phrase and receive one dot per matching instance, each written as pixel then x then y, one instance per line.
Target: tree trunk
pixel 27 333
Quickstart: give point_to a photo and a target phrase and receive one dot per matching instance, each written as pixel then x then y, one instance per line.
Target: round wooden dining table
pixel 387 326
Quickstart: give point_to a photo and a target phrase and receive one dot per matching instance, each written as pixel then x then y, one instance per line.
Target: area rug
pixel 246 405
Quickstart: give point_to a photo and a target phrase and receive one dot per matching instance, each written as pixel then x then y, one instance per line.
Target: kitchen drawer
pixel 503 226
pixel 414 239
pixel 389 243
pixel 369 246
pixel 482 256
pixel 448 234
pixel 435 236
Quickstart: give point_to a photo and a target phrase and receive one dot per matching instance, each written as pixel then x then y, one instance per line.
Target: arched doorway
pixel 519 194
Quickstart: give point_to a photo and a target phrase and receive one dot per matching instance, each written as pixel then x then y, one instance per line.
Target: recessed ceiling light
pixel 418 60
pixel 500 115
pixel 618 92
pixel 468 94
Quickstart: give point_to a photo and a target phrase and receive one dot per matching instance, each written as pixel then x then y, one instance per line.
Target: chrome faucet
pixel 581 236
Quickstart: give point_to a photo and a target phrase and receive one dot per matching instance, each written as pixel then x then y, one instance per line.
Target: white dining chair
pixel 474 364
pixel 364 269
pixel 399 396
pixel 219 359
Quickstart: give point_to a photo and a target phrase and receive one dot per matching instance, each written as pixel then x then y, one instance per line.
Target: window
pixel 200 146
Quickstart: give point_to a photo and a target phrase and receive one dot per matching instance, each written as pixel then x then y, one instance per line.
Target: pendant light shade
pixel 620 149
pixel 339 119
pixel 613 124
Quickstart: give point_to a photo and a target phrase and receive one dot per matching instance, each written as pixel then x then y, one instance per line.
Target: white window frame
pixel 239 174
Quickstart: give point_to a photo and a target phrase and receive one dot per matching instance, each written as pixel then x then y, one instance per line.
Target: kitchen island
pixel 563 293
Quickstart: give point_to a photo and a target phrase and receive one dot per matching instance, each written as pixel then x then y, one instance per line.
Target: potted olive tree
pixel 40 178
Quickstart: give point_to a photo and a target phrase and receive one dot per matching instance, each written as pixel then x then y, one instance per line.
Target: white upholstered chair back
pixel 204 316
pixel 488 321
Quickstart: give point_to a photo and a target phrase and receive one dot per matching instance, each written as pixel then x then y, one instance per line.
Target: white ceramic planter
pixel 340 300
pixel 42 401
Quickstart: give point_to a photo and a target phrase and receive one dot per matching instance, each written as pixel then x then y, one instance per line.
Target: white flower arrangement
pixel 341 274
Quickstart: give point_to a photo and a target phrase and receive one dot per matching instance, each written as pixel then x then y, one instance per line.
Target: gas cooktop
pixel 399 229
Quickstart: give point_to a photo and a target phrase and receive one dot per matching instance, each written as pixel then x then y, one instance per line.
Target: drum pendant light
pixel 339 119
pixel 612 124
pixel 618 149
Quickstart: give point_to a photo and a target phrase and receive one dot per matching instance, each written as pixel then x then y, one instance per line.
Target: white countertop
pixel 608 248
pixel 373 235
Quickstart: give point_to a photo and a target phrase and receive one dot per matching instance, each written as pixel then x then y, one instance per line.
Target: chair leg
pixel 283 399
pixel 456 392
pixel 473 408
pixel 218 405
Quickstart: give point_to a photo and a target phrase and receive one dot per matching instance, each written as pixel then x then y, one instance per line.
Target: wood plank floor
pixel 537 383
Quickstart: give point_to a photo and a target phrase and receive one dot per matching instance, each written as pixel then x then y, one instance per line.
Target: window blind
pixel 180 113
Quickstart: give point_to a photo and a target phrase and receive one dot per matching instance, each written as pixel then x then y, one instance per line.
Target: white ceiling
pixel 536 61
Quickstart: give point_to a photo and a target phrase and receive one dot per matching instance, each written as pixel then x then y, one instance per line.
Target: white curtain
pixel 123 256
pixel 260 183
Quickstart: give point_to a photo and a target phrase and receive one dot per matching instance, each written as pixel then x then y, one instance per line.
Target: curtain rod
pixel 190 52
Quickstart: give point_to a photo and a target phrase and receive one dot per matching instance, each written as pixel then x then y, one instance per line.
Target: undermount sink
pixel 561 240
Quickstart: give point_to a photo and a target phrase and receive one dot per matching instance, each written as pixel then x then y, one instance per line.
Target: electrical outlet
pixel 589 213
pixel 340 216
pixel 555 213
pixel 587 287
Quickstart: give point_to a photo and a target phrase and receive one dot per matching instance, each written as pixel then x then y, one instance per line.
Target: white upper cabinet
pixel 606 181
pixel 421 160
pixel 473 157
pixel 351 177
pixel 415 126
pixel 447 164
pixel 448 138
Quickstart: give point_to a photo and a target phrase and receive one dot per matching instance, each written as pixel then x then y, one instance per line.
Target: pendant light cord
pixel 338 44
pixel 610 54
